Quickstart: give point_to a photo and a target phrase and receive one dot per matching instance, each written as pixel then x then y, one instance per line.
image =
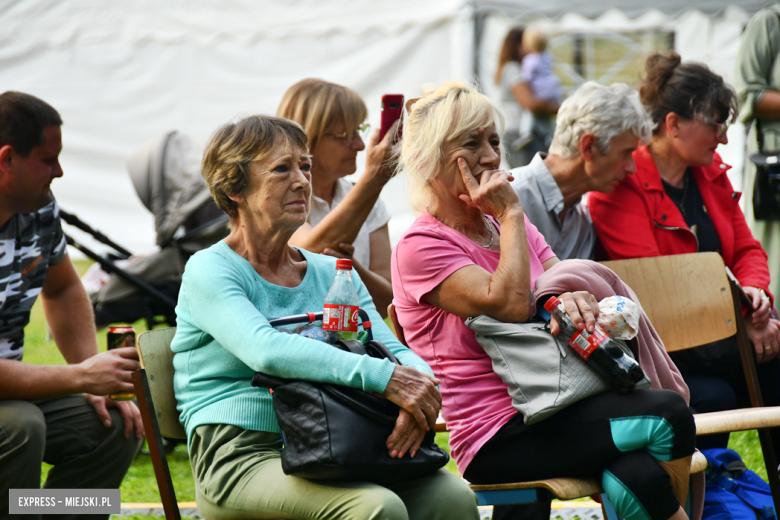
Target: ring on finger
pixel 767 348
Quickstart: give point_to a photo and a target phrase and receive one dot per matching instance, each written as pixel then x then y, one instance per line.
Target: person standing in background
pixel 538 72
pixel 517 96
pixel 757 81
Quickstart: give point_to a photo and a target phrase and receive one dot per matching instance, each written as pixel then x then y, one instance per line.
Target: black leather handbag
pixel 766 189
pixel 338 433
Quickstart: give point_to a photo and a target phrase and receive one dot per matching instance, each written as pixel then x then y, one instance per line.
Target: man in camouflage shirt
pixel 59 414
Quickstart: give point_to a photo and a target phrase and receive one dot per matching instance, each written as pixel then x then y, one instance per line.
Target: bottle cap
pixel 344 263
pixel 551 303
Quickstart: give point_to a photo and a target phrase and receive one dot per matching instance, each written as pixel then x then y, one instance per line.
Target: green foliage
pixel 749 448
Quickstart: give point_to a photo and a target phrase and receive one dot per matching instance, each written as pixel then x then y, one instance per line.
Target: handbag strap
pixel 739 489
pixel 759 136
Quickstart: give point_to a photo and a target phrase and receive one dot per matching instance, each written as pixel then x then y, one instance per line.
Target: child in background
pixel 538 73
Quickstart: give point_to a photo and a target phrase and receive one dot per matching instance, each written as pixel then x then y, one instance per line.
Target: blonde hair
pixel 234 145
pixel 439 117
pixel 316 104
pixel 534 39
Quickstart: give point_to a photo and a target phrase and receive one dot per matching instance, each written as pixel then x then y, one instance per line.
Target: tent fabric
pixel 210 22
pixel 631 8
pixel 166 176
pixel 121 73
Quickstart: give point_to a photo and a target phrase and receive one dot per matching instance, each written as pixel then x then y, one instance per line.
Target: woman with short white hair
pixel 472 252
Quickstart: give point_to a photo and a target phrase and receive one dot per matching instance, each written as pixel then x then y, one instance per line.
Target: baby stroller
pixel 123 287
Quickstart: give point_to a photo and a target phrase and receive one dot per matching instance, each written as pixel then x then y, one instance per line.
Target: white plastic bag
pixel 619 317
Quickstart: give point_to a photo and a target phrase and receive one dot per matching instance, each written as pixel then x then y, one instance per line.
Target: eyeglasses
pixel 360 133
pixel 719 128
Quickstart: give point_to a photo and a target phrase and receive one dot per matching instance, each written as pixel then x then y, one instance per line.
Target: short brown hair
pixel 316 104
pixel 690 90
pixel 22 120
pixel 234 145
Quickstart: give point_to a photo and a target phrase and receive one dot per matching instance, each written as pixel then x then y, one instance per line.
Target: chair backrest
pixel 687 297
pixel 154 348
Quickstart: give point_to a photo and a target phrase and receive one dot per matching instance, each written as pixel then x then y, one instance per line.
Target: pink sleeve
pixel 425 260
pixel 536 243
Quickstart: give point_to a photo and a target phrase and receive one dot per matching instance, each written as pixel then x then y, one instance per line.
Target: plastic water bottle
pixel 342 303
pixel 600 351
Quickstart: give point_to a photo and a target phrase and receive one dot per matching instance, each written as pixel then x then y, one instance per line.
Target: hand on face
pixel 472 173
pixel 491 194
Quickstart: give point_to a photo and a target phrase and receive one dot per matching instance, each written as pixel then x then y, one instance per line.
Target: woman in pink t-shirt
pixel 473 252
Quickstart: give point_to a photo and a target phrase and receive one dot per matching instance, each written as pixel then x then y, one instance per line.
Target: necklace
pixel 490 228
pixel 681 204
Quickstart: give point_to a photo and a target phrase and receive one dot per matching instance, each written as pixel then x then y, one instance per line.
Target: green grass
pixel 140 484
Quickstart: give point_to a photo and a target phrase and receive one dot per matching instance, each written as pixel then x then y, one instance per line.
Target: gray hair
pixel 604 111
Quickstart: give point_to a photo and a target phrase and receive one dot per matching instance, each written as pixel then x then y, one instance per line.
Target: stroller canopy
pixel 166 176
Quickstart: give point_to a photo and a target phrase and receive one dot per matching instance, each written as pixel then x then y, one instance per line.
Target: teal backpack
pixel 733 492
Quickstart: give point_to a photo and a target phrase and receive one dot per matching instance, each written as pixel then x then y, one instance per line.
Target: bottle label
pixel 585 342
pixel 340 317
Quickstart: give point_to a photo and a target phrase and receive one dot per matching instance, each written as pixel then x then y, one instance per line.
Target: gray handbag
pixel 542 375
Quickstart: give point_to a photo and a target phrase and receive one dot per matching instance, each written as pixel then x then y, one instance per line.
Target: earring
pixel 675 134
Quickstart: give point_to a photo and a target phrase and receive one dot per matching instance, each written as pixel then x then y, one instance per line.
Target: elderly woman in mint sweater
pixel 258 170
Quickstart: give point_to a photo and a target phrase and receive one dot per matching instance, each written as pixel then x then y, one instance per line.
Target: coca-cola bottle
pixel 600 351
pixel 342 303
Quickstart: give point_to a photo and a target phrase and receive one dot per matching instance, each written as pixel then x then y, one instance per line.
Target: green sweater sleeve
pixel 758 50
pixel 218 303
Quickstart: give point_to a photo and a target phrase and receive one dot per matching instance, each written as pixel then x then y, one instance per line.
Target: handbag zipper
pixel 546 328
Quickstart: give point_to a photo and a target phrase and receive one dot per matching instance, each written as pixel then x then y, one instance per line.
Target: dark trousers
pixel 67 434
pixel 598 435
pixel 716 389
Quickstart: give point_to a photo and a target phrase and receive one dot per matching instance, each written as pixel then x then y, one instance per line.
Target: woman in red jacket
pixel 681 201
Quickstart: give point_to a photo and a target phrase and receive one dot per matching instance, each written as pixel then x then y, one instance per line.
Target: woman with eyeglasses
pixel 346 220
pixel 680 201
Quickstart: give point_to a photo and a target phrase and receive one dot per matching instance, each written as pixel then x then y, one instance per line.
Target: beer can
pixel 121 336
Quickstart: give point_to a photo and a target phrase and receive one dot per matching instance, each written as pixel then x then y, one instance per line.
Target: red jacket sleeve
pixel 623 222
pixel 750 260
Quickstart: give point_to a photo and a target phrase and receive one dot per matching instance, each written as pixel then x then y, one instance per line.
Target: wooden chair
pixel 157 403
pixel 154 391
pixel 538 490
pixel 691 301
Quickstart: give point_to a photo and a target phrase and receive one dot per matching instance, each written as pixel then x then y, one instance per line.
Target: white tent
pixel 707 31
pixel 121 73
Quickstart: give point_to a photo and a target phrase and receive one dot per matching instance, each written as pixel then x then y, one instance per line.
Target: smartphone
pixel 392 111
